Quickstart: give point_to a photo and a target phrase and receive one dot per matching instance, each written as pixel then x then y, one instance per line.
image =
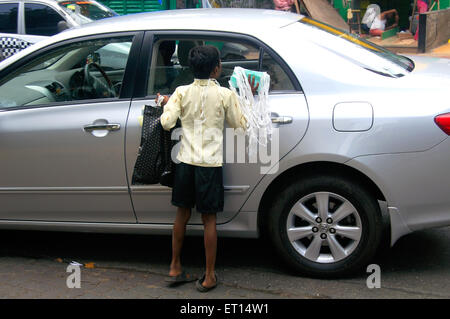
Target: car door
pixel 166 70
pixel 62 131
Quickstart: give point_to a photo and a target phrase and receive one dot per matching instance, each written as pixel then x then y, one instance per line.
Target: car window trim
pixel 145 57
pixel 21 18
pixel 131 68
pixel 57 104
pixel 261 56
pixel 127 83
pixel 141 90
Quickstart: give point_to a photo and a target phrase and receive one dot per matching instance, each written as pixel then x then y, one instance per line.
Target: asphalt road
pixel 34 264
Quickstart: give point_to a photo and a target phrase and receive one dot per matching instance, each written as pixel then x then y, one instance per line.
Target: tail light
pixel 443 121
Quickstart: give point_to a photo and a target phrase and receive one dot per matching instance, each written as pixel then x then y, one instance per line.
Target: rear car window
pixel 41 19
pixel 170 65
pixel 8 17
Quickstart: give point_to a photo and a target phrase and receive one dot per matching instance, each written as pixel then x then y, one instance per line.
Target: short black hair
pixel 202 60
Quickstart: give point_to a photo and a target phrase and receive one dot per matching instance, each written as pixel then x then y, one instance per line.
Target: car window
pixel 8 17
pixel 170 63
pixel 41 19
pixel 279 80
pixel 115 55
pixel 80 71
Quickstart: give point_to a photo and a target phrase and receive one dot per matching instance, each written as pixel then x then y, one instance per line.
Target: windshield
pixel 362 52
pixel 86 11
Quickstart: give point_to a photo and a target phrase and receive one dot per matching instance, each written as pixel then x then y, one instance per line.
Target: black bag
pixel 154 164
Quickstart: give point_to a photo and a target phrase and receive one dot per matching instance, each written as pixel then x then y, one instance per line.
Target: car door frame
pixel 140 94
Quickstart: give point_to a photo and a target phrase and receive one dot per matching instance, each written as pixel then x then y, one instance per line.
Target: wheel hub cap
pixel 323 228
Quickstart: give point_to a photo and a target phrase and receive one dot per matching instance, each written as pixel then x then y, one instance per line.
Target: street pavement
pixel 34 265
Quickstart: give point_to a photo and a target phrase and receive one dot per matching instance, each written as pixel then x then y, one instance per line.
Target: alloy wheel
pixel 324 227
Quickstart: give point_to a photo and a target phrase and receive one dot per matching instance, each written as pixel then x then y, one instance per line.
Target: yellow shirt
pixel 202 138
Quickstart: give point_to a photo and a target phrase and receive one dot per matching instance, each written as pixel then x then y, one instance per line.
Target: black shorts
pixel 199 186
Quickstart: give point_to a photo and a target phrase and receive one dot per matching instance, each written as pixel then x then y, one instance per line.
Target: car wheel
pixel 325 226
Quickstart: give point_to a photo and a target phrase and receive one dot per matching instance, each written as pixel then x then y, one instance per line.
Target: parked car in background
pixel 361 131
pixel 24 22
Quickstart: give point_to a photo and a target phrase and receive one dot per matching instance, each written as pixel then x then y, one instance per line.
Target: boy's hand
pixel 164 100
pixel 251 81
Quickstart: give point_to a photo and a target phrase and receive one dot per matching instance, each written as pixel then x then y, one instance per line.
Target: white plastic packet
pixel 255 108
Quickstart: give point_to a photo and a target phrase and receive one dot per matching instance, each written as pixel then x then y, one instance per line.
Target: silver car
pixel 363 148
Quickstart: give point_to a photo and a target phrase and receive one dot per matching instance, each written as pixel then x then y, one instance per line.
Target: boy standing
pixel 202 108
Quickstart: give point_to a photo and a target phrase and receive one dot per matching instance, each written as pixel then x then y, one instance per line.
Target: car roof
pixel 224 19
pixel 256 22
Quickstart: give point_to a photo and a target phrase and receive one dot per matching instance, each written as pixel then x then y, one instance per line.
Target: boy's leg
pixel 183 196
pixel 210 239
pixel 179 229
pixel 209 201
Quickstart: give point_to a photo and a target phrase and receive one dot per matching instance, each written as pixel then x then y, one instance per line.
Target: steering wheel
pixel 99 86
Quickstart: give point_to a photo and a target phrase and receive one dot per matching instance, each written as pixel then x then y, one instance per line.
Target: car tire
pixel 288 219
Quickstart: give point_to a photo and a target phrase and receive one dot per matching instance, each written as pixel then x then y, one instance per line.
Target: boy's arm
pixel 172 111
pixel 253 87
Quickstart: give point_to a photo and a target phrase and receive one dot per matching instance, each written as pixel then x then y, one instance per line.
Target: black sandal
pixel 180 279
pixel 202 288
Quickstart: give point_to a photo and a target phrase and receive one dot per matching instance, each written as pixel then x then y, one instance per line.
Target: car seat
pixel 185 76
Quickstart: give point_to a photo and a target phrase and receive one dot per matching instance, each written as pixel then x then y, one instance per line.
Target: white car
pixel 25 22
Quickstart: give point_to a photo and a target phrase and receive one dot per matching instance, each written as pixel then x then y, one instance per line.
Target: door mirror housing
pixel 62 25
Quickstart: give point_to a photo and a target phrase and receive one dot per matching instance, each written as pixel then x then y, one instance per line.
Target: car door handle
pixel 282 119
pixel 107 127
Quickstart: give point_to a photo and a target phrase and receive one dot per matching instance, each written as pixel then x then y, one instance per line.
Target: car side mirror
pixel 62 25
